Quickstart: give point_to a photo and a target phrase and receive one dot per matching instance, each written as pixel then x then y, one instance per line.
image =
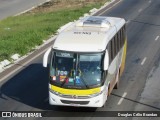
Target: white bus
pixel 86 61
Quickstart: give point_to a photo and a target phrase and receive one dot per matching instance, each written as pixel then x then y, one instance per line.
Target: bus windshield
pixel 74 70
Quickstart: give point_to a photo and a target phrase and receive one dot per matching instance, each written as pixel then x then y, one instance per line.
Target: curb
pixel 32 8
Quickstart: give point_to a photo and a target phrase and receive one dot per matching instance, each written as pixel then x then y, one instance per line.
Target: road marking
pixel 139 10
pixel 110 7
pixel 150 1
pixel 121 100
pixel 143 61
pixel 24 11
pixel 157 38
pixel 31 8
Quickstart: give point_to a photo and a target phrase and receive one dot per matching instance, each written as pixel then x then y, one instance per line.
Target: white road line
pixel 32 8
pixel 25 11
pixel 110 7
pixel 157 38
pixel 150 1
pixel 139 10
pixel 143 61
pixel 121 100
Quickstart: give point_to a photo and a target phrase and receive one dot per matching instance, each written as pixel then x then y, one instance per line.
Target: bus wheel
pixel 103 105
pixel 117 83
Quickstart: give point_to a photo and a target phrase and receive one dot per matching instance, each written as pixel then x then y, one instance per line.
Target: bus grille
pixel 77 97
pixel 75 102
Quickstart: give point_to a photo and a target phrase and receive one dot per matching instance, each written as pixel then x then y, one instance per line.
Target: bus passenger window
pixel 115 45
pixel 109 52
pixel 112 49
pixel 119 40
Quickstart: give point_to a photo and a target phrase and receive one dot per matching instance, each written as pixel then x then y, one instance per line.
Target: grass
pixel 20 34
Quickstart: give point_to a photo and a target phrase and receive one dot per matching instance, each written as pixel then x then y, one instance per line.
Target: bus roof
pixel 90 34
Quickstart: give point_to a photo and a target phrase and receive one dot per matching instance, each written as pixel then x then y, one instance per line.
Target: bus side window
pixel 121 42
pixel 109 52
pixel 123 35
pixel 118 41
pixel 112 49
pixel 115 45
pixel 124 32
pixel 120 38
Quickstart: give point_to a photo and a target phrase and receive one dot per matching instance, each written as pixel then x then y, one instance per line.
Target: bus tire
pixel 103 105
pixel 117 83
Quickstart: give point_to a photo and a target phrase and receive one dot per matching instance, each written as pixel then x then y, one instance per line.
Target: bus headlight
pixel 96 94
pixel 54 92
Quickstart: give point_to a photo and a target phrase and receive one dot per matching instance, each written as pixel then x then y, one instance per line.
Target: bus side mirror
pixel 45 57
pixel 106 61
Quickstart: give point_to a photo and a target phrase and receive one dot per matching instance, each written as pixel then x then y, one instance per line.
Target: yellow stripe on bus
pixel 123 57
pixel 75 91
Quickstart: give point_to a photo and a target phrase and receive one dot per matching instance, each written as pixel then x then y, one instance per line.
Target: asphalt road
pixel 27 88
pixel 13 7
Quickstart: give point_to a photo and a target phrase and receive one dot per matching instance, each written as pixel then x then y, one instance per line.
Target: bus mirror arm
pixel 45 57
pixel 106 61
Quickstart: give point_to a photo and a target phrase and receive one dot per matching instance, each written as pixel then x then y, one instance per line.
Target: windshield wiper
pixel 84 83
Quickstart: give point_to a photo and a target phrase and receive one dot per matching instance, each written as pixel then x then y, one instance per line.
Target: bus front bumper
pixel 97 101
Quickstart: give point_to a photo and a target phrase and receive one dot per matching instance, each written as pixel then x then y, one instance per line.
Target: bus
pixel 86 61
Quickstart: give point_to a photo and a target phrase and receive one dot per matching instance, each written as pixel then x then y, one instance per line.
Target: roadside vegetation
pixel 20 34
